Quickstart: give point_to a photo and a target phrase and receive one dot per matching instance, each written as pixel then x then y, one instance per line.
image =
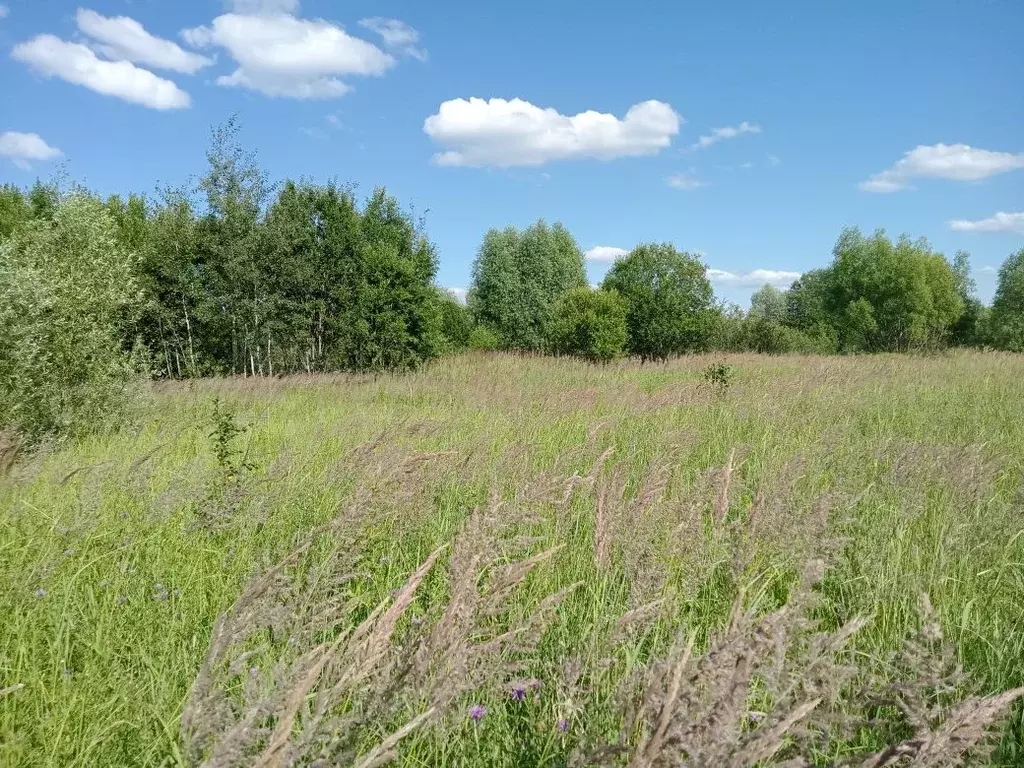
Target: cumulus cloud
pixel 1001 222
pixel 727 132
pixel 757 277
pixel 497 132
pixel 958 162
pixel 4 10
pixel 604 253
pixel 458 293
pixel 123 38
pixel 397 36
pixel 53 57
pixel 280 55
pixel 685 181
pixel 24 148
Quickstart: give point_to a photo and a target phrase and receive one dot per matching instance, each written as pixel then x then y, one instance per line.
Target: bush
pixel 456 325
pixel 67 295
pixel 772 338
pixel 590 324
pixel 482 339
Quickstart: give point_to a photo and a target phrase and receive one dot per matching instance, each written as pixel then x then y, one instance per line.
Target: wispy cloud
pixel 1000 222
pixel 687 181
pixel 754 278
pixel 958 162
pixel 726 132
pixel 23 149
pixel 604 253
pixel 78 64
pixel 397 36
pixel 123 38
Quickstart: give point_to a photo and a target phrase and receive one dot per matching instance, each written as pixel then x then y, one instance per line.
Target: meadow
pixel 507 560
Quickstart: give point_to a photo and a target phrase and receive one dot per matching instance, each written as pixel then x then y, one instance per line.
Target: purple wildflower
pixel 477 712
pixel 563 725
pixel 519 692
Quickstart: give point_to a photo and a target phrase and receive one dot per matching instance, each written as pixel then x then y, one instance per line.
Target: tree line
pixel 529 293
pixel 237 276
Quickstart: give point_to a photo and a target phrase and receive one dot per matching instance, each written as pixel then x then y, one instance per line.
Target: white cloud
pixel 774 160
pixel 22 148
pixel 604 253
pixel 685 181
pixel 123 38
pixel 4 10
pixel 77 64
pixel 727 132
pixel 958 162
pixel 397 36
pixel 756 278
pixel 256 7
pixel 1001 222
pixel 280 55
pixel 458 293
pixel 987 270
pixel 504 133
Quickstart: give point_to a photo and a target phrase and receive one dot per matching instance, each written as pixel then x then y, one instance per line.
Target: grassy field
pixel 605 551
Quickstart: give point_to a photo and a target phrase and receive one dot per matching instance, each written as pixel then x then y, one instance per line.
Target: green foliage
pixel 14 210
pixel 1007 319
pixel 769 303
pixel 590 324
pixel 891 297
pixel 308 282
pixel 720 377
pixel 517 278
pixel 67 297
pixel 225 431
pixel 483 339
pixel 455 322
pixel 670 303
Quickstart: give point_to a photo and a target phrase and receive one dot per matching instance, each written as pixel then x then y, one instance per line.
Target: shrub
pixel 482 339
pixel 590 324
pixel 455 322
pixel 67 294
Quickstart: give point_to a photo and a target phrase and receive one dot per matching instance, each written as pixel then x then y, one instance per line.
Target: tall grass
pixel 518 561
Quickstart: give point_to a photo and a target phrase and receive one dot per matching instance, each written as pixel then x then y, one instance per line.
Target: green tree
pixel 590 324
pixel 968 330
pixel 769 303
pixel 518 276
pixel 1007 318
pixel 671 309
pixel 67 297
pixel 14 210
pixel 456 324
pixel 910 289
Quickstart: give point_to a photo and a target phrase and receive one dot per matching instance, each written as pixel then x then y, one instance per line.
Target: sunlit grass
pixel 111 582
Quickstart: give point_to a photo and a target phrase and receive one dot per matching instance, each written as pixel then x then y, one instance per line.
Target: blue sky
pixel 816 115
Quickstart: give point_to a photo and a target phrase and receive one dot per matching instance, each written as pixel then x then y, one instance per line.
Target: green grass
pixel 922 458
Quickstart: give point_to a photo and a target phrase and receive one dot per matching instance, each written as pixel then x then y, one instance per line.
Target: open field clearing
pixel 526 561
